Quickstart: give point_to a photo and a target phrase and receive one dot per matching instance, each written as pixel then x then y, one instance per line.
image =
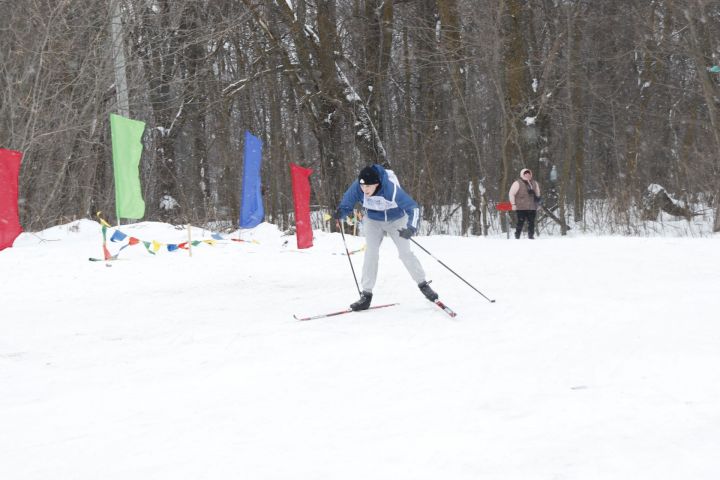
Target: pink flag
pixel 301 198
pixel 9 178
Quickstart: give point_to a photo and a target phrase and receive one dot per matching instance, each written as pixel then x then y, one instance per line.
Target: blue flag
pixel 252 212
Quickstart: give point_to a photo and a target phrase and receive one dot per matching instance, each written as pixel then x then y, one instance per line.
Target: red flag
pixel 9 216
pixel 301 198
pixel 503 206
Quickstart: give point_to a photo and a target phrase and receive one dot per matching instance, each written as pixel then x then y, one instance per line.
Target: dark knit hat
pixel 369 176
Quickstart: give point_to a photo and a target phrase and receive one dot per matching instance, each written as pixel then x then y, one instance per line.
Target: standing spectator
pixel 525 199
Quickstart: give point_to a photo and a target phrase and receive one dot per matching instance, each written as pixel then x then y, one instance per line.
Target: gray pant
pixel 374 233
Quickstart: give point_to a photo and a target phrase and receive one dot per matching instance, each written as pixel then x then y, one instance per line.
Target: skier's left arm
pixel 538 196
pixel 411 209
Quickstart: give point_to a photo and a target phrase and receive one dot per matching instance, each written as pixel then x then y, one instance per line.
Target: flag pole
pixel 117 204
pixel 121 90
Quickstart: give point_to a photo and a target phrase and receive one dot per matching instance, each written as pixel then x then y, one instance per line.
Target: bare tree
pixel 600 99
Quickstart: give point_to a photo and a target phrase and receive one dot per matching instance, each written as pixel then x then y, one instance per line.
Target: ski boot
pixel 429 293
pixel 363 303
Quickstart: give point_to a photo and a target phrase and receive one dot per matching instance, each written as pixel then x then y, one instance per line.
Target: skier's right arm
pixel 352 196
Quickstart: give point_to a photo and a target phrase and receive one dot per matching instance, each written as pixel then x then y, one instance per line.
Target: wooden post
pixel 504 208
pixel 189 241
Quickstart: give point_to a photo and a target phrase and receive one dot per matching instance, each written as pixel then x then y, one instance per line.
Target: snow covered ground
pixel 599 360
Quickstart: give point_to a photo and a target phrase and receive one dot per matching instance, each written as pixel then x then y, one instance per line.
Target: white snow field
pixel 599 360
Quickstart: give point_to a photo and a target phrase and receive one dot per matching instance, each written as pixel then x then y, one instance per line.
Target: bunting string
pixel 152 246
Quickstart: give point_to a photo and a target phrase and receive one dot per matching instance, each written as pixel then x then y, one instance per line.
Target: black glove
pixel 406 233
pixel 538 200
pixel 338 215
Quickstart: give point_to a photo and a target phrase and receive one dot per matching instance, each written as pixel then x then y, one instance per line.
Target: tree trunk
pixel 709 94
pixel 515 82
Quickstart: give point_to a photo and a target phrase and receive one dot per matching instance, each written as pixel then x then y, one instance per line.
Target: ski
pixel 445 308
pixel 341 312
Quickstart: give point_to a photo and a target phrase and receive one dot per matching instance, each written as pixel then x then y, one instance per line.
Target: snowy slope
pixel 600 360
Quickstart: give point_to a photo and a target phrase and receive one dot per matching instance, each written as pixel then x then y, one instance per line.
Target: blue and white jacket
pixel 388 203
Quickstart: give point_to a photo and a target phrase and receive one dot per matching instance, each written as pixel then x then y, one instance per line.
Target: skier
pixel 389 209
pixel 525 199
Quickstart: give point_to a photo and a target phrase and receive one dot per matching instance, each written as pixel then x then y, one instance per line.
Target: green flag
pixel 126 149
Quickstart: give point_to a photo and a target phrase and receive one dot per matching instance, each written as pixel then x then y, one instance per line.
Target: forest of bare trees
pixel 600 98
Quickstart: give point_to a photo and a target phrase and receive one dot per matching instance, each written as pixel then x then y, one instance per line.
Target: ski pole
pixel 342 232
pixel 441 263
